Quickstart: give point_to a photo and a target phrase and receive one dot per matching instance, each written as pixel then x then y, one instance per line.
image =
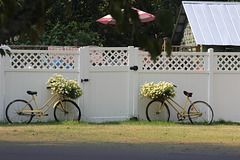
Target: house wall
pixel 188 37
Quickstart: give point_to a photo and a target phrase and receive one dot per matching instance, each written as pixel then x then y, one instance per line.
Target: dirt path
pixel 111 151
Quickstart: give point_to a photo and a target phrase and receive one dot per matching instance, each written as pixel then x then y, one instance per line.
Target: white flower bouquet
pixel 69 88
pixel 161 90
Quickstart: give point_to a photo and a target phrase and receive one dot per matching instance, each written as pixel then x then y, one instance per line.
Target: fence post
pixel 84 74
pixel 2 87
pixel 211 68
pixel 198 48
pixel 133 82
pixel 165 43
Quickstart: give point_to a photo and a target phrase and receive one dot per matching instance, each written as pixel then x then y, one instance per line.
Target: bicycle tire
pixel 206 117
pixel 152 111
pixel 73 112
pixel 14 116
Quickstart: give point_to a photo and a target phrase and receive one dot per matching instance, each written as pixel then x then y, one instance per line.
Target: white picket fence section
pixel 111 79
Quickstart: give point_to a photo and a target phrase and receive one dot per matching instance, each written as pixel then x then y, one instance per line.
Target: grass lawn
pixel 220 136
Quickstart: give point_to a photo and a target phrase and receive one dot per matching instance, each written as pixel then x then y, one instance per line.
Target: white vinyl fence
pixel 111 79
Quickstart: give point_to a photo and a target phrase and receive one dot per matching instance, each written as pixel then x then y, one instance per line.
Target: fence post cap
pixel 210 50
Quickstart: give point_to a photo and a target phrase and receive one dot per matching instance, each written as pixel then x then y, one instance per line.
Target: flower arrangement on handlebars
pixel 68 88
pixel 161 90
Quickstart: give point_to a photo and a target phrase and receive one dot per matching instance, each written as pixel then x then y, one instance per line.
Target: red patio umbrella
pixel 143 16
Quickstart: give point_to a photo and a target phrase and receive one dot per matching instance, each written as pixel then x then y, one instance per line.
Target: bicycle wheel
pixel 200 112
pixel 69 112
pixel 15 112
pixel 155 111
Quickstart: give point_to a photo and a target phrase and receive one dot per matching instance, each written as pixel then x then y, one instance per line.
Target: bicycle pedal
pixel 45 114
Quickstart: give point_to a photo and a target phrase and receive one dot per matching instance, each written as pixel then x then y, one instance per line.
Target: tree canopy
pixel 67 20
pixel 60 22
pixel 17 16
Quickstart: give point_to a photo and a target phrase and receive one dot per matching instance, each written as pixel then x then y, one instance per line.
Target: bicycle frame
pixel 183 112
pixel 53 100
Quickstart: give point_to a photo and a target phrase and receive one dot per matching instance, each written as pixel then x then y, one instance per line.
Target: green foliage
pixel 223 122
pixel 2 52
pixel 150 41
pixel 17 17
pixel 64 35
pixel 66 20
pixel 5 50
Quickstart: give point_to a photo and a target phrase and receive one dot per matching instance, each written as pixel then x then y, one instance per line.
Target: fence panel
pixel 108 85
pixel 17 83
pixel 226 94
pixel 226 86
pixel 188 71
pixel 31 69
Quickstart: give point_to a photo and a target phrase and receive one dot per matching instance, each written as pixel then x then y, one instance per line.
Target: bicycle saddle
pixel 188 94
pixel 31 92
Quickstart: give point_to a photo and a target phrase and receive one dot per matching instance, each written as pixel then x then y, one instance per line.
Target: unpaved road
pixel 83 151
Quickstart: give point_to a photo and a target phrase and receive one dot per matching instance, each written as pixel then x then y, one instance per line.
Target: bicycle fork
pixel 62 106
pixel 161 108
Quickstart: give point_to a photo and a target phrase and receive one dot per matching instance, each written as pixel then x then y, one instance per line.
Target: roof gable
pixel 212 23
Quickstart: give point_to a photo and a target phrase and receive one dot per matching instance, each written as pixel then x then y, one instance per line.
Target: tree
pixel 83 15
pixel 66 20
pixel 17 16
pixel 59 30
pixel 162 26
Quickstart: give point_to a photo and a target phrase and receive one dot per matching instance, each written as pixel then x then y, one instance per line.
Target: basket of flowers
pixel 65 87
pixel 159 91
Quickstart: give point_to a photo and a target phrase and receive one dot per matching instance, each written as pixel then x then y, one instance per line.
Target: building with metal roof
pixel 212 24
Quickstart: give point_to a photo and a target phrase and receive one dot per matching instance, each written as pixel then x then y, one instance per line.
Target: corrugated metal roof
pixel 214 23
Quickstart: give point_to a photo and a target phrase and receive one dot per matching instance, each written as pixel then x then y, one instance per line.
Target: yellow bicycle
pixel 199 112
pixel 21 111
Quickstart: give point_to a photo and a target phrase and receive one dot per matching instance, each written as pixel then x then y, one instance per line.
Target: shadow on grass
pixel 142 122
pixel 6 124
pixel 128 122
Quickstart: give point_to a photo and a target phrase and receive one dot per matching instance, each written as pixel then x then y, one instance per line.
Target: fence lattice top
pixel 121 57
pixel 228 62
pixel 44 60
pixel 109 58
pixel 175 62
